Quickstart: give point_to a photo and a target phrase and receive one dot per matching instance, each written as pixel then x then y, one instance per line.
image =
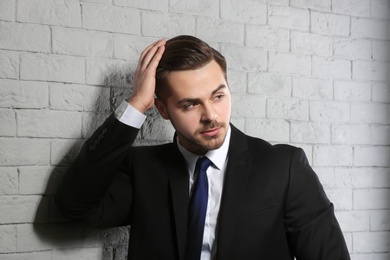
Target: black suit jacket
pixel 273 206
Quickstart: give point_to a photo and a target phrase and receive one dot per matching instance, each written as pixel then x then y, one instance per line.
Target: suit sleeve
pixel 313 230
pixel 96 189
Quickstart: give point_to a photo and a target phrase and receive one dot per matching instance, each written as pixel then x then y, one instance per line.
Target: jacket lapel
pixel 234 185
pixel 179 179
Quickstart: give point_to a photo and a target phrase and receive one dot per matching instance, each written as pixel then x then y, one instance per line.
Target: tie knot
pixel 203 163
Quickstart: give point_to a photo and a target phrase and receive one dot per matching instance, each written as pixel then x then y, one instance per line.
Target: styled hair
pixel 185 53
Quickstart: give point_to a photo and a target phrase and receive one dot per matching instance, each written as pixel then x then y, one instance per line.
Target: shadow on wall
pixel 54 231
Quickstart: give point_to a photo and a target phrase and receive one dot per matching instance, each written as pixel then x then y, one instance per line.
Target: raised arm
pixel 96 189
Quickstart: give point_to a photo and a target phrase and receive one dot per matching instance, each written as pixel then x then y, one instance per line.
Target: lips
pixel 211 132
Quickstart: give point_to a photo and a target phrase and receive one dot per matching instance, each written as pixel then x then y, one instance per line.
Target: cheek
pixel 184 120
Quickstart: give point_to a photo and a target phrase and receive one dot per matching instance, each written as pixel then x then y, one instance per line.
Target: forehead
pixel 198 82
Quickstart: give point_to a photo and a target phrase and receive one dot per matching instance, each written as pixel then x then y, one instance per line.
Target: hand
pixel 144 83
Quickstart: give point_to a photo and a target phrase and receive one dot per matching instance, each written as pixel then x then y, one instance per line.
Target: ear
pixel 162 109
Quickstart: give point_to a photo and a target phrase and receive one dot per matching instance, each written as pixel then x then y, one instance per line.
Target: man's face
pixel 199 107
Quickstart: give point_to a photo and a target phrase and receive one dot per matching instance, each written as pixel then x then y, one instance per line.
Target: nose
pixel 209 113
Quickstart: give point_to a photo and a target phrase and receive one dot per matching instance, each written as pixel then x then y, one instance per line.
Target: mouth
pixel 211 132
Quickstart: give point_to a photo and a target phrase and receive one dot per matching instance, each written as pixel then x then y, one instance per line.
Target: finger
pixel 153 63
pixel 150 54
pixel 150 48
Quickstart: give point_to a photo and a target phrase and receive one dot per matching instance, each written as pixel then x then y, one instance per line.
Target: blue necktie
pixel 197 210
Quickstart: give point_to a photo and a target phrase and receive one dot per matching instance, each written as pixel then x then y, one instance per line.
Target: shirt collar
pixel 217 156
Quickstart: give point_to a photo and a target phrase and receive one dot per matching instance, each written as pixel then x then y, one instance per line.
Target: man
pixel 254 201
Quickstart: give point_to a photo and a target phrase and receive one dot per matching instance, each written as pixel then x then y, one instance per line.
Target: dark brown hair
pixel 185 53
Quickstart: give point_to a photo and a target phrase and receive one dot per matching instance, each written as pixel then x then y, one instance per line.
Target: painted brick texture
pixel 311 73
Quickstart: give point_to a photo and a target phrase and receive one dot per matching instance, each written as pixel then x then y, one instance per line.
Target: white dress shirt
pixel 215 174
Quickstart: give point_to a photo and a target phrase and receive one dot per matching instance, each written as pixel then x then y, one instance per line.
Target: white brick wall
pixel 313 73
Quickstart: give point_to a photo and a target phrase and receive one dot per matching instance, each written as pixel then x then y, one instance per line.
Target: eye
pixel 190 105
pixel 218 97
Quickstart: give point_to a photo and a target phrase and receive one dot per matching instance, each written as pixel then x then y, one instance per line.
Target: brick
pixel 38 180
pixel 328 111
pixel 359 8
pixel 63 152
pixel 9 65
pixel 354 221
pixel 331 68
pixel 267 37
pixel 369 28
pixel 372 156
pixel 97 1
pixel 25 37
pixel 287 108
pixel 326 176
pixel 379 134
pixel 308 149
pixel 18 209
pixel 371 199
pixel 23 151
pixel 165 26
pixel 7 10
pixel 289 63
pixel 341 198
pixel 200 7
pixel 7 239
pixel 381 92
pixel 370 113
pixel 245 58
pixel 310 133
pixel 352 91
pixel 7 122
pixel 237 81
pixel 82 43
pixel 362 177
pixel 219 31
pixel 29 237
pixel 8 181
pixel 78 254
pixel 255 106
pixel 348 241
pixel 336 155
pixel 90 122
pixel 47 123
pixel 381 50
pixel 312 4
pixel 120 94
pixel 79 97
pixel 306 43
pixel 289 17
pixel 352 48
pixel 330 24
pixel 92 237
pixel 311 88
pixel 157 129
pixel 108 72
pixel 277 2
pixel 52 68
pixel 269 84
pixel 244 11
pixel 28 256
pixel 130 47
pixel 269 130
pixel 52 12
pixel 111 18
pixel 380 9
pixel 158 5
pixel 373 256
pixel 23 94
pixel 350 134
pixel 380 220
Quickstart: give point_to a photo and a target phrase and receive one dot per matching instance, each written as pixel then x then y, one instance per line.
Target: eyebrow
pixel 190 100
